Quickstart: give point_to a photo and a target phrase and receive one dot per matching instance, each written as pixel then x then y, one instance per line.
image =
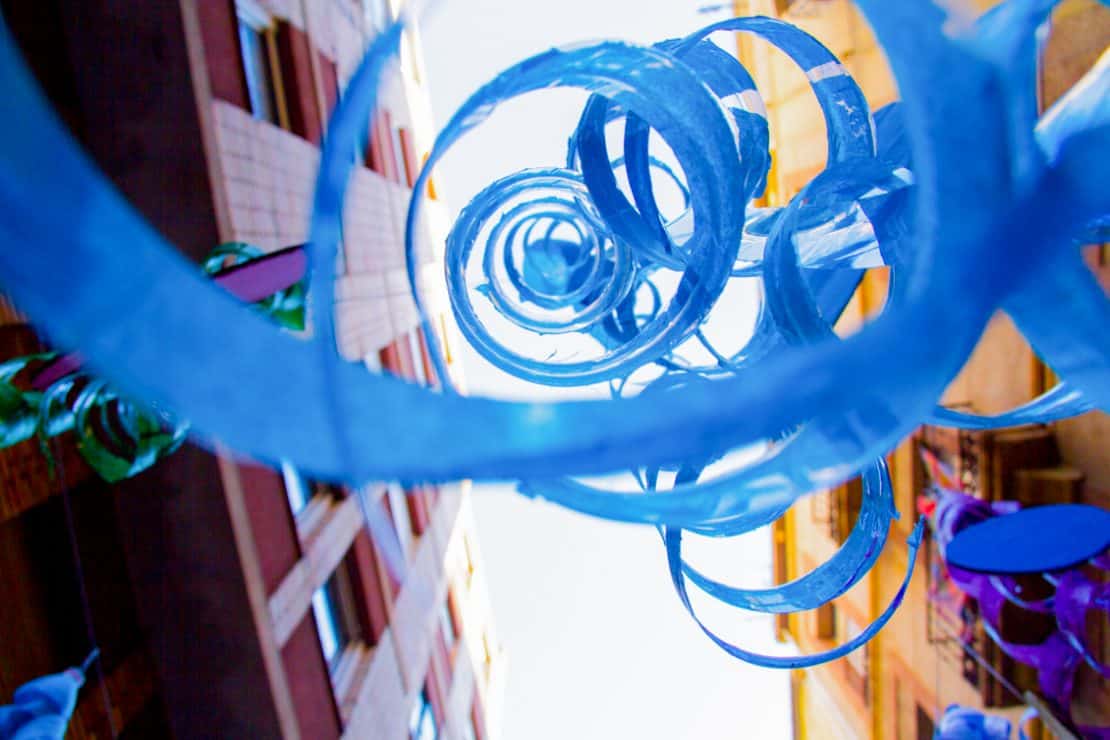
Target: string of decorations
pixel 47 394
pixel 973 201
pixel 1071 600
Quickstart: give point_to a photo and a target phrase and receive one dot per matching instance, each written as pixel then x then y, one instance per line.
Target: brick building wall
pixel 230 580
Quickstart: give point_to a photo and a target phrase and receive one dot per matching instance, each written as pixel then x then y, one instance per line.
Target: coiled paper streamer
pixel 1058 656
pixel 973 204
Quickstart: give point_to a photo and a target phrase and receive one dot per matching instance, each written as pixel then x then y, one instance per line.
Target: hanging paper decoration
pixel 273 283
pixel 1067 536
pixel 972 202
pixel 117 437
pixel 40 709
pixel 967 723
pixel 1059 656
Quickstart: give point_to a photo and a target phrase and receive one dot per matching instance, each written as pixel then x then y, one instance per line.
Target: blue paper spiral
pixel 973 203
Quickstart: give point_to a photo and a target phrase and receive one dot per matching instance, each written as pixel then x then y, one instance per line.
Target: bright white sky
pixel 599 646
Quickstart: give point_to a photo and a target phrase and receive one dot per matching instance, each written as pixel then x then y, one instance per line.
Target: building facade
pixel 228 598
pixel 925 658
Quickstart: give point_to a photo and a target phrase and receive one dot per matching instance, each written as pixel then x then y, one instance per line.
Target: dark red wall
pixel 219 28
pixel 275 534
pixel 330 81
pixel 373 158
pixel 310 683
pixel 383 130
pixel 429 371
pixel 397 359
pixel 300 91
pixel 192 599
pixel 367 582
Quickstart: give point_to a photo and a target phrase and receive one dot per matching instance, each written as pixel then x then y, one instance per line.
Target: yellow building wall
pixel 905 679
pixel 1086 26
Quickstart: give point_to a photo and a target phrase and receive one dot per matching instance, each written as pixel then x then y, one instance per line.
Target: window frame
pixel 783 7
pixel 373 361
pixel 449 622
pixel 336 598
pixel 825 621
pixel 252 18
pixel 416 349
pixel 376 14
pixel 292 479
pixel 846 501
pixel 924 723
pixel 397 142
pixel 402 517
pixel 318 497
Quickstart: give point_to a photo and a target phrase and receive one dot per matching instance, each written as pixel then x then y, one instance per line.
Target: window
pixel 329 80
pixel 298 106
pixel 399 509
pixel 925 729
pixel 447 623
pixel 296 488
pixel 254 48
pixel 393 357
pixel 825 617
pixel 423 359
pixel 855 662
pixel 404 177
pixel 416 348
pixel 302 492
pixel 422 721
pixel 820 507
pixel 846 502
pixel 329 626
pixel 336 619
pixel 375 153
pixel 407 152
pixel 417 501
pixel 376 13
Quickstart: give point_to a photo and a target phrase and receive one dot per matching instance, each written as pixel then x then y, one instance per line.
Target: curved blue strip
pixel 833 577
pixel 673 538
pixel 972 204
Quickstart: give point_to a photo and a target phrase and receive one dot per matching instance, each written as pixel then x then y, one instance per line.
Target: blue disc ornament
pixel 973 202
pixel 1040 539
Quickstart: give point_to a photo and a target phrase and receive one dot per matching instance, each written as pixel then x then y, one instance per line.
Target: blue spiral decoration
pixel 973 202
